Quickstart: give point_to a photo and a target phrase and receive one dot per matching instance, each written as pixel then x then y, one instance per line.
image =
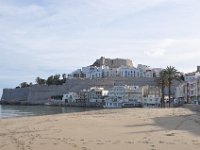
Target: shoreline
pixel 113 129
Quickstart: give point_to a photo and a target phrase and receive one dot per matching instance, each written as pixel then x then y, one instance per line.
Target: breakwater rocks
pixel 39 94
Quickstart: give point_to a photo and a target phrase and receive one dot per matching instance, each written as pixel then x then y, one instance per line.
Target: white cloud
pixel 159 50
pixel 155 52
pixel 45 37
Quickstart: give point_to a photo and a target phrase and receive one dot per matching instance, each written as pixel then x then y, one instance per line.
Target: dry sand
pixel 118 129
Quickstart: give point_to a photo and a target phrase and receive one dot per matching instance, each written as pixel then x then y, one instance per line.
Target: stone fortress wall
pixel 39 94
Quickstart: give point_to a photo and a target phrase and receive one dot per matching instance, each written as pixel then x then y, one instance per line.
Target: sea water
pixel 10 111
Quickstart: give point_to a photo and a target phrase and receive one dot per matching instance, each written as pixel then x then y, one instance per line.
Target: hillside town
pixel 189 90
pixel 112 83
pixel 186 91
pixel 105 67
pixel 115 97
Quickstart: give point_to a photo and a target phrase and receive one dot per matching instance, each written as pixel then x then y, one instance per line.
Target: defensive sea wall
pixel 39 94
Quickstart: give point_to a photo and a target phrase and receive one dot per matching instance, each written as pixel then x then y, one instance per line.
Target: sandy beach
pixel 116 129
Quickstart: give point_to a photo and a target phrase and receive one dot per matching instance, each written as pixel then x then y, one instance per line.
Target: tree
pixel 64 78
pixel 40 81
pixel 162 82
pixel 50 80
pixel 56 79
pixel 171 74
pixel 24 84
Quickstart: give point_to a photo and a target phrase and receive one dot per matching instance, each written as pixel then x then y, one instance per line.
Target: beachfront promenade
pixel 115 129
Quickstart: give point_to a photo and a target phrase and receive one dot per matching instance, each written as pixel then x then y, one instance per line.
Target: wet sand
pixel 116 129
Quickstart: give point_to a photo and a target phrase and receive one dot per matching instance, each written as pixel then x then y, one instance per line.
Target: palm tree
pixel 162 82
pixel 171 74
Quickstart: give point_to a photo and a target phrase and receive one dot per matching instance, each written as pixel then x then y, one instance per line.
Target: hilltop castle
pixel 112 63
pixel 106 67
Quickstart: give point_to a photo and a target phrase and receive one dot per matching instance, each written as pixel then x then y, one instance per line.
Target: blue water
pixel 10 111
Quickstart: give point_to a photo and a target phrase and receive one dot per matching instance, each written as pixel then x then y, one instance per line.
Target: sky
pixel 46 37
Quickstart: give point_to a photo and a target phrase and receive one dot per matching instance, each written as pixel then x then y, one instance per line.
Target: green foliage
pixel 64 77
pixel 40 81
pixel 55 79
pixel 49 80
pixel 165 80
pixel 24 84
pixel 171 74
pixel 162 82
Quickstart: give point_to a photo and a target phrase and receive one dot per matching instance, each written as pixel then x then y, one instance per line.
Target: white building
pixel 151 100
pixel 70 97
pixel 151 95
pixel 125 93
pixel 193 75
pixel 111 72
pixel 188 91
pixel 190 76
pixel 157 71
pixel 129 72
pixel 91 72
pixel 145 71
pixel 181 91
pixel 97 94
pixel 194 90
pixel 118 92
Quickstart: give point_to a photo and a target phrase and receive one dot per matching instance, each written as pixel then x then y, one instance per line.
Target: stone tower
pixel 113 63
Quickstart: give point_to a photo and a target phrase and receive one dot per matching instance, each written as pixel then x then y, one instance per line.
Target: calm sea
pixel 10 111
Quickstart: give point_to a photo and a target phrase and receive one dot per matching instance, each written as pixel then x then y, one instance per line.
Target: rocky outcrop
pixel 39 94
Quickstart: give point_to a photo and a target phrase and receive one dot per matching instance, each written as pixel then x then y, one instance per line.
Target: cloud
pixel 155 52
pixel 15 11
pixel 44 37
pixel 159 50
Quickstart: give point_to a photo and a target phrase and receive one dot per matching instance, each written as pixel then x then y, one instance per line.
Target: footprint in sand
pixel 171 143
pixel 73 144
pixel 195 142
pixel 130 142
pixel 100 143
pixel 108 141
pixel 170 134
pixel 84 148
pixel 152 145
pixel 161 142
pixel 98 140
pixel 71 140
pixel 116 142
